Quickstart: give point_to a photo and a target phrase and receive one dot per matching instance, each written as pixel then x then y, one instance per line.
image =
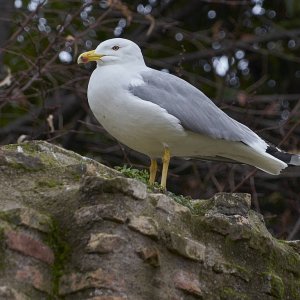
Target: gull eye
pixel 115 48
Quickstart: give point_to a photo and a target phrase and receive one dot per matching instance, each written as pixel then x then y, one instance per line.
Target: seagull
pixel 162 115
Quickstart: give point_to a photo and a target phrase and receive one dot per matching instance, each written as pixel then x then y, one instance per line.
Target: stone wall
pixel 71 228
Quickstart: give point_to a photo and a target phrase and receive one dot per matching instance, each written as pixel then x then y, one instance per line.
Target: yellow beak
pixel 88 56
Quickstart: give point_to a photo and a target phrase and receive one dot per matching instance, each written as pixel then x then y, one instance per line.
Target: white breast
pixel 141 125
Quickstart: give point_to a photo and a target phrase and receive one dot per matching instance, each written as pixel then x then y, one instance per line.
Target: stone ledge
pixel 186 247
pixel 104 243
pixel 97 185
pixel 144 225
pixel 99 212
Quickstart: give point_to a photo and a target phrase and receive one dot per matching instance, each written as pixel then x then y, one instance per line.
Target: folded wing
pixel 196 112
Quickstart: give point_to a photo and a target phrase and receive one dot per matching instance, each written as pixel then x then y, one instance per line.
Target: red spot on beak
pixel 84 59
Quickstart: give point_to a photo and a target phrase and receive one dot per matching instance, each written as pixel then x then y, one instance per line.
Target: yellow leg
pixel 166 161
pixel 153 170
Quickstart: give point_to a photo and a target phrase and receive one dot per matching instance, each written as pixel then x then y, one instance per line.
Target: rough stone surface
pixel 73 229
pixel 127 186
pixel 11 294
pixel 168 205
pixel 96 279
pixel 187 247
pixel 104 242
pixel 100 212
pixel 273 285
pixel 187 282
pixel 144 225
pixel 27 217
pixel 35 278
pixel 150 255
pixel 108 298
pixel 295 245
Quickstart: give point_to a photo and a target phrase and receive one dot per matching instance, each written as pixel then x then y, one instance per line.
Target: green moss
pixel 2 249
pixel 19 166
pixel 21 161
pixel 32 158
pixel 48 161
pixel 76 176
pixel 230 294
pixel 30 148
pixel 49 183
pixel 292 263
pixel 10 218
pixel 276 286
pixel 61 249
pixel 232 269
pixel 295 290
pixel 202 206
pixel 242 272
pixel 229 245
pixel 10 147
pixel 183 200
pixel 4 216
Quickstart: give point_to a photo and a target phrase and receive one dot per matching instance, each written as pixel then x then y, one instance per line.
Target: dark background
pixel 243 54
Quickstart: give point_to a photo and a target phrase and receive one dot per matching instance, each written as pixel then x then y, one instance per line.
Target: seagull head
pixel 113 51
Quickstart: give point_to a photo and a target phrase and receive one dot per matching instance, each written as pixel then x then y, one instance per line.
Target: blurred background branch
pixel 243 54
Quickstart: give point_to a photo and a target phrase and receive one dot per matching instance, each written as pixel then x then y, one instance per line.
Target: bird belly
pixel 195 145
pixel 140 125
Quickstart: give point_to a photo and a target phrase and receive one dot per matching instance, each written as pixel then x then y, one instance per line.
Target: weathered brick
pixel 95 279
pixel 149 255
pixel 35 277
pixel 104 242
pixel 100 212
pixel 187 282
pixel 144 225
pixel 27 217
pixel 186 247
pixel 9 293
pixel 26 245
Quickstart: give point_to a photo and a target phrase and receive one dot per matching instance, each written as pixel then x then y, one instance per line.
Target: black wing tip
pixel 289 158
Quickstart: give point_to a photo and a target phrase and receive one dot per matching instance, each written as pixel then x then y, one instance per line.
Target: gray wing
pixel 195 111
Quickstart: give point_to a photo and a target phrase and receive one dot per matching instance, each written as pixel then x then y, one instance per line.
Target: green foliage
pixel 130 172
